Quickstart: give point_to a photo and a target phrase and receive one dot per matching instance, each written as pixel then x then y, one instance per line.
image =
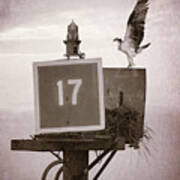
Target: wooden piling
pixel 75 163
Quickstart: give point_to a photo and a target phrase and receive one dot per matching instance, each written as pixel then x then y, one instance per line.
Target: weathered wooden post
pixel 75 163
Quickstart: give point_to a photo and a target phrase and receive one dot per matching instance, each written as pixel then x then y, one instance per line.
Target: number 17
pixel 77 84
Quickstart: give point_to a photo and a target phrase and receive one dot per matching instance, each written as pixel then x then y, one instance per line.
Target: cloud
pixel 28 13
pixel 16 12
pixel 39 32
pixel 92 23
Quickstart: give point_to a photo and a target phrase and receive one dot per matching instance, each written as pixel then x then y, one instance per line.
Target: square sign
pixel 69 95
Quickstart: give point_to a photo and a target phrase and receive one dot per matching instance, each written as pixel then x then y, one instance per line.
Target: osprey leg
pixel 131 62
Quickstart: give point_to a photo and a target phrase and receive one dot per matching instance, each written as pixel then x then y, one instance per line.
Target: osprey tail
pixel 143 47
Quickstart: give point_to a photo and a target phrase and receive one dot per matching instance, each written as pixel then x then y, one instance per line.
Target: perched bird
pixel 134 32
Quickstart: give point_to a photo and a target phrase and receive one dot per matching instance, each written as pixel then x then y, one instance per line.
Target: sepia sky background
pixel 35 30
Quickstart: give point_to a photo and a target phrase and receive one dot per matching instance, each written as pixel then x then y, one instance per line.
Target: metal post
pixel 75 162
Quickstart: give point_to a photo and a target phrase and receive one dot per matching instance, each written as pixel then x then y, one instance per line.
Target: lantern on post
pixel 73 42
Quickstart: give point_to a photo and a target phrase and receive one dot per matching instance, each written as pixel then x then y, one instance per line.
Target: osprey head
pixel 117 40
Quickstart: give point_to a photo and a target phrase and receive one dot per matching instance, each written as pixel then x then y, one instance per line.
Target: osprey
pixel 134 32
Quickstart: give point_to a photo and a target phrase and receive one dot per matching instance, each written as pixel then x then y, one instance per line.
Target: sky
pixel 34 31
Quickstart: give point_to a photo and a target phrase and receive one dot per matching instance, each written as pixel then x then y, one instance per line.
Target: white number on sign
pixel 77 84
pixel 60 93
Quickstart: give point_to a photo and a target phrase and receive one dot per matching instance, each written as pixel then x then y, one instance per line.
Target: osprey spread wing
pixel 134 32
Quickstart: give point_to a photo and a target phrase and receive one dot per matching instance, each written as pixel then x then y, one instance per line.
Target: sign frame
pixel 100 86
